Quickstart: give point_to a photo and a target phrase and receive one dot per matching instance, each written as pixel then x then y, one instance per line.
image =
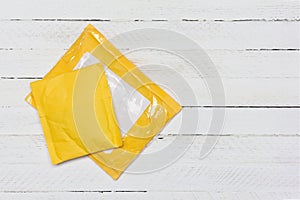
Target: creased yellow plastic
pixel 76 113
pixel 161 109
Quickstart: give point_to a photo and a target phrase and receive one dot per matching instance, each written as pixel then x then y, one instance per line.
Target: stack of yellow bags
pixel 77 112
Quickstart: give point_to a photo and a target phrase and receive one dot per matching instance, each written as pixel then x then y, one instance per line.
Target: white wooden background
pixel 253 43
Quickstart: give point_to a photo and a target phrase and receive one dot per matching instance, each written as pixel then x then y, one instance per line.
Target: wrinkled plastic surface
pixel 75 127
pixel 127 102
pixel 160 107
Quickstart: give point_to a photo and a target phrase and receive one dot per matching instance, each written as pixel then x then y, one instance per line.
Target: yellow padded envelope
pixel 76 113
pixel 161 109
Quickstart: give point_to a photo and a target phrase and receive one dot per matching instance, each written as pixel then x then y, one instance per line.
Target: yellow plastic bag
pixel 75 127
pixel 161 109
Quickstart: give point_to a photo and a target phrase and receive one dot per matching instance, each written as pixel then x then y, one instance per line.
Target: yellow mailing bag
pixel 92 128
pixel 161 109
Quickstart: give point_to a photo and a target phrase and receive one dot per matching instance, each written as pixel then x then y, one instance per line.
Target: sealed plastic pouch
pixel 155 109
pixel 75 127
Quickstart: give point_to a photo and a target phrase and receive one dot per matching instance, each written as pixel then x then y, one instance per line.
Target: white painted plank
pixel 209 35
pixel 106 195
pixel 249 164
pixel 218 177
pixel 257 195
pixel 270 164
pixel 238 121
pixel 151 195
pixel 253 74
pixel 32 150
pixel 260 91
pixel 229 63
pixel 152 9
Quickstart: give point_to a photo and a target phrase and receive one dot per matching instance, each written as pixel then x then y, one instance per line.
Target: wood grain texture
pixel 228 150
pixel 255 48
pixel 252 164
pixel 229 63
pixel 266 75
pixel 86 176
pixel 237 121
pixel 209 35
pixel 152 9
pixel 124 195
pixel 245 92
pixel 150 195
